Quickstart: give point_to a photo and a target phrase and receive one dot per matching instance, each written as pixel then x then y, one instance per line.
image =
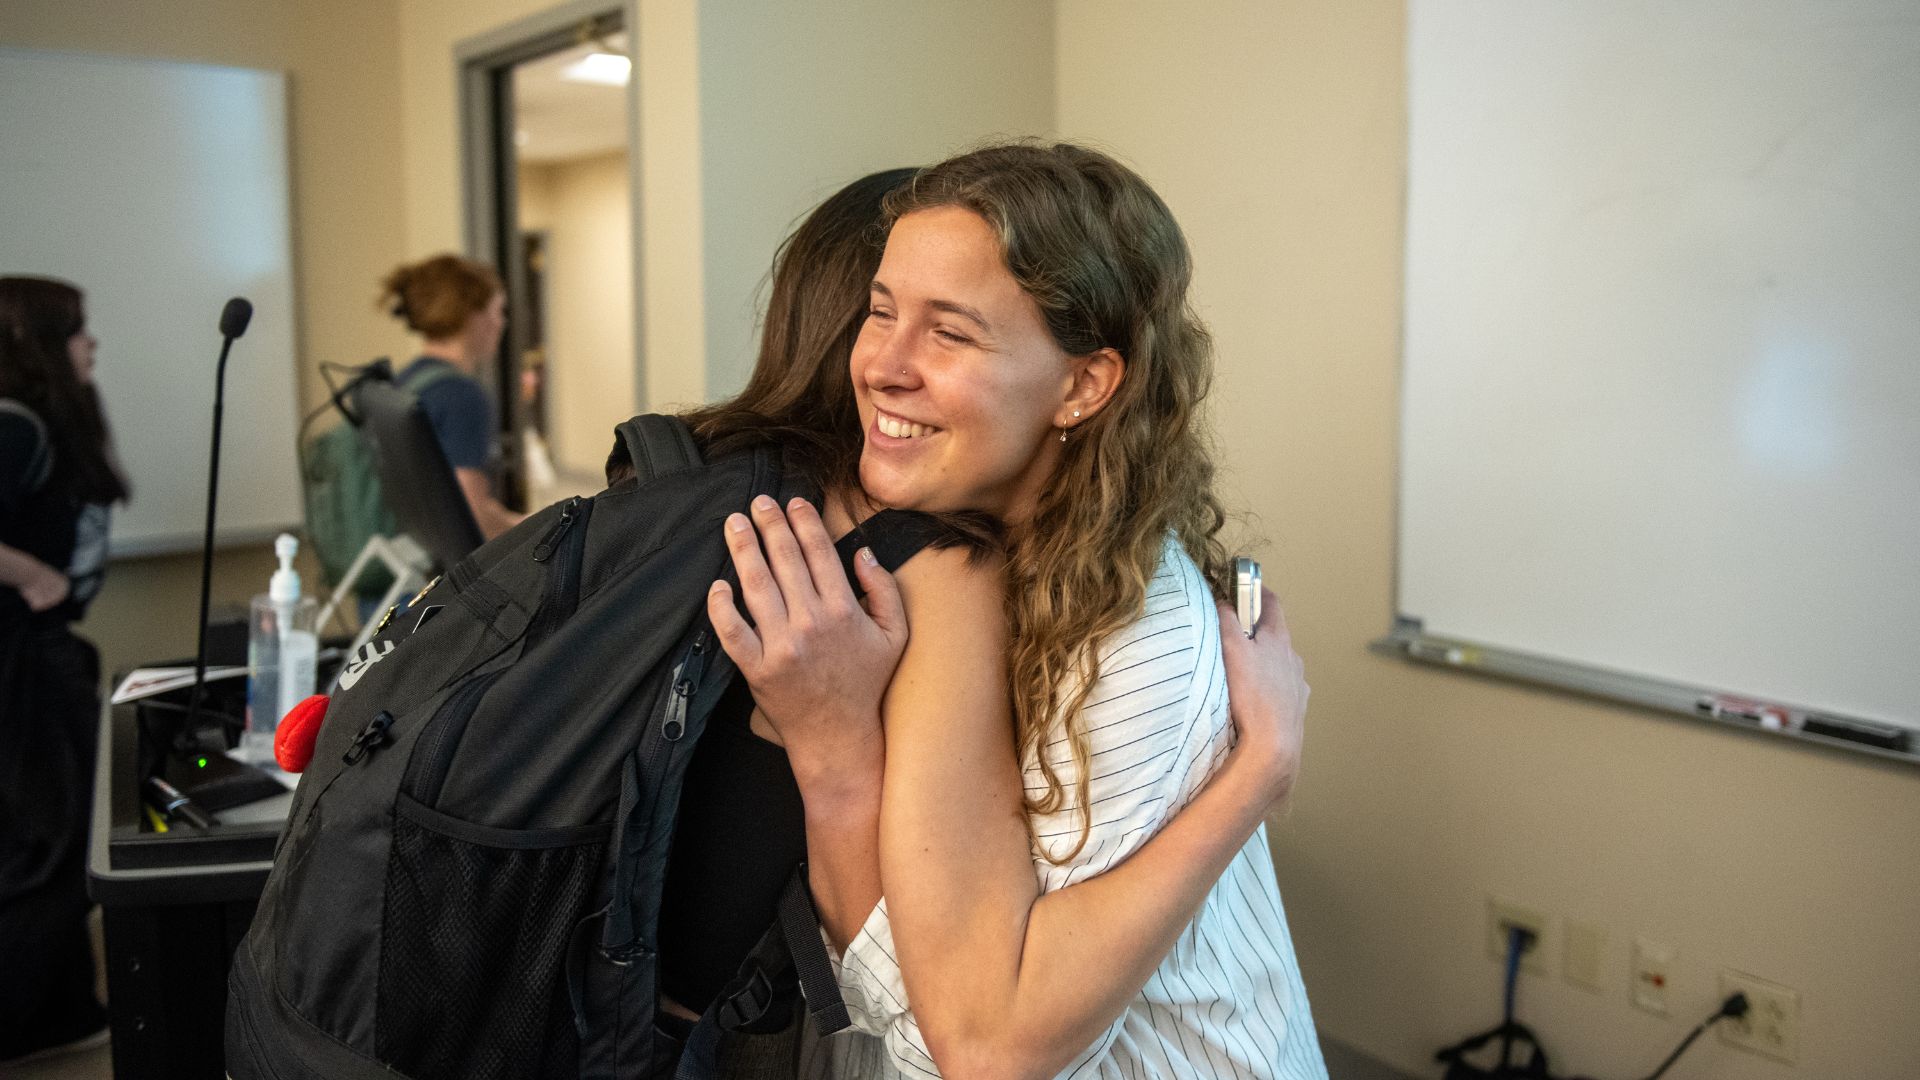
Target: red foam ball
pixel 298 731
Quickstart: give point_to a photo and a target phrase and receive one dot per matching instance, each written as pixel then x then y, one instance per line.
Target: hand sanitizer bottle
pixel 281 650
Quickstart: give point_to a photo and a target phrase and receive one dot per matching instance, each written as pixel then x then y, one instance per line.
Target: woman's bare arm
pixel 1003 980
pixel 489 513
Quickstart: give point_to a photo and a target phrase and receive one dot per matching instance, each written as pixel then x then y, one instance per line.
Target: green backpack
pixel 342 489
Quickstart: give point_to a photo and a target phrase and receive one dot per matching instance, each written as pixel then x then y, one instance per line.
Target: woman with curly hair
pixel 1048 791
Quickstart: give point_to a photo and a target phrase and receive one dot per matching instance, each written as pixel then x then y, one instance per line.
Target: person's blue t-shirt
pixel 460 411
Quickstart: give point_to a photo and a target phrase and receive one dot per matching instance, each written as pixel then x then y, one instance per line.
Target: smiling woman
pixel 1069 826
pixel 961 398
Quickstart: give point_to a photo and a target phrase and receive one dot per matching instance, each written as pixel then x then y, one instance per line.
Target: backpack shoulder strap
pixel 432 374
pixel 40 465
pixel 657 445
pixel 895 536
pixel 759 998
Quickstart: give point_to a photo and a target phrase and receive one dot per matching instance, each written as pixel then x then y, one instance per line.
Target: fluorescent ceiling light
pixel 604 68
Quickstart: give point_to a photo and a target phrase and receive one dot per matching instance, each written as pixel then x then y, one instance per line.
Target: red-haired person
pixel 460 308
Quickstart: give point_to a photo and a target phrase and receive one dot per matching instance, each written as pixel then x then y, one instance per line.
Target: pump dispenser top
pixel 285 586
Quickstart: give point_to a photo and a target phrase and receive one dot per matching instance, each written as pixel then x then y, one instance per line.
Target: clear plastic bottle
pixel 281 652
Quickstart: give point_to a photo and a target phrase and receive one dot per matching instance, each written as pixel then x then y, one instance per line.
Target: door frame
pixel 489 187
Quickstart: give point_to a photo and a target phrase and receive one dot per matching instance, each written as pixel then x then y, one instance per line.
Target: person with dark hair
pixel 58 476
pixel 460 308
pixel 1062 782
pixel 769 787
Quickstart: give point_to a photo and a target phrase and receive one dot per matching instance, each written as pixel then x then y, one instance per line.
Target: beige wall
pixel 585 207
pixel 748 112
pixel 798 99
pixel 428 32
pixel 1276 131
pixel 344 122
pixel 666 129
pixel 671 233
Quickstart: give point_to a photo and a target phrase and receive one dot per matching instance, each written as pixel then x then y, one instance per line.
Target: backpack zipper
pixel 371 736
pixel 544 549
pixel 562 593
pixel 623 924
pixel 427 769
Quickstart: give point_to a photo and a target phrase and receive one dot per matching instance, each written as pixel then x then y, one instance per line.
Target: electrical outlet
pixel 1772 1023
pixel 1652 971
pixel 1501 917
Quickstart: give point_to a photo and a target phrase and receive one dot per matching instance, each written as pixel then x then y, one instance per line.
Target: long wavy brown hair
pixel 1101 255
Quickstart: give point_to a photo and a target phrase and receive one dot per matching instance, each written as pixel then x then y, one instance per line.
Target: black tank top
pixel 742 825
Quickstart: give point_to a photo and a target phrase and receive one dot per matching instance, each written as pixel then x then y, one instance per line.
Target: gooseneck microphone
pixel 233 323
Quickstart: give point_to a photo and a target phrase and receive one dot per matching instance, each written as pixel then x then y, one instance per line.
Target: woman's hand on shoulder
pixel 817 658
pixel 1267 692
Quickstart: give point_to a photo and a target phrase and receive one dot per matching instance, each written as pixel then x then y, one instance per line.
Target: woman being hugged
pixel 58 476
pixel 1030 353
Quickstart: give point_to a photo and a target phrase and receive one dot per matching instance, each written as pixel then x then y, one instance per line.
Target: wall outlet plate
pixel 1582 958
pixel 1772 1023
pixel 1652 972
pixel 1500 916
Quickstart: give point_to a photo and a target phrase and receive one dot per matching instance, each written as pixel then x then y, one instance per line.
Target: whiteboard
pixel 1661 408
pixel 160 189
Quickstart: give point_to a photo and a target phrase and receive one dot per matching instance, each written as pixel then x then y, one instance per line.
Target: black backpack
pixel 470 878
pixel 340 486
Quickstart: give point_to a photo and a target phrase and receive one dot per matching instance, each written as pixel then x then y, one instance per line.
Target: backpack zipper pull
pixel 544 550
pixel 374 734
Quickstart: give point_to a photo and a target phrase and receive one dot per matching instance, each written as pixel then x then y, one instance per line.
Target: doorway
pixel 547 117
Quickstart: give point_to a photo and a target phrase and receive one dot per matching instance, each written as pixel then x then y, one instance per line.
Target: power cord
pixel 1734 1007
pixel 1519 940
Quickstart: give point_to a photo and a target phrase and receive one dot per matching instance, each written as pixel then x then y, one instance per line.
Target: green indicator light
pixel 203 763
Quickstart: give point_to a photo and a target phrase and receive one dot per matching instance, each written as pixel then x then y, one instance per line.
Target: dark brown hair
pixel 801 393
pixel 38 316
pixel 436 297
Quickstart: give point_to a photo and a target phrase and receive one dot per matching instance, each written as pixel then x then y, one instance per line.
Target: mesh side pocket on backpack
pixel 473 946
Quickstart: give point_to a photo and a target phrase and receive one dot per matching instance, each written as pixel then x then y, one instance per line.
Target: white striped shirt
pixel 1228 1000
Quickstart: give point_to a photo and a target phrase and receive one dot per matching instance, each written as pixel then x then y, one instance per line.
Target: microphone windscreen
pixel 235 316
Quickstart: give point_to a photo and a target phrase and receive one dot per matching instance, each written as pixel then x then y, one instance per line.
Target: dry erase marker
pixel 1771 717
pixel 173 804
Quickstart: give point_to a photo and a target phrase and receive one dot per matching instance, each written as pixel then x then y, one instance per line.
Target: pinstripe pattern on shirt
pixel 1228 1000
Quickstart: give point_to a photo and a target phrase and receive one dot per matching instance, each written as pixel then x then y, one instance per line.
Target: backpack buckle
pixel 745 1006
